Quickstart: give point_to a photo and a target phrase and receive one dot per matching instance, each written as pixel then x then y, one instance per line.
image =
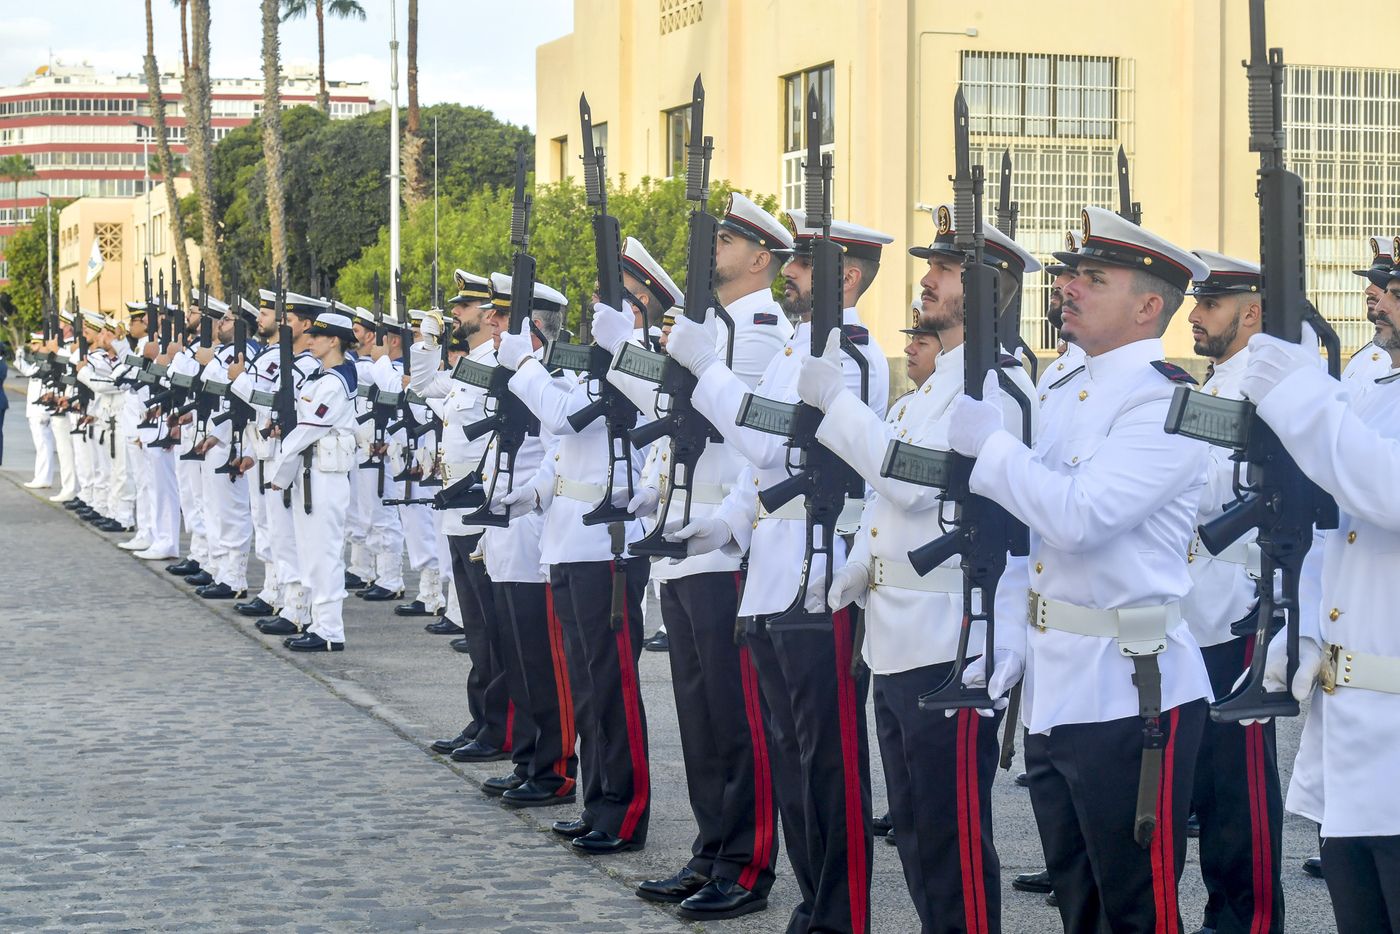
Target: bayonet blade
pixel 1125 188
pixel 1005 212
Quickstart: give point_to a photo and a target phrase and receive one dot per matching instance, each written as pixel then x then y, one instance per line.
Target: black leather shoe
pixel 1022 781
pixel 1193 825
pixel 600 843
pixel 184 568
pixel 416 608
pixel 881 825
pixel 1032 882
pixel 530 795
pixel 722 898
pixel 255 607
pixel 355 582
pixel 573 829
pixel 112 525
pixel 74 504
pixel 310 642
pixel 377 594
pixel 1313 866
pixel 674 890
pixel 889 838
pixel 277 626
pixel 443 746
pixel 1052 900
pixel 444 627
pixel 221 592
pixel 460 645
pixel 495 787
pixel 659 642
pixel 200 578
pixel 476 751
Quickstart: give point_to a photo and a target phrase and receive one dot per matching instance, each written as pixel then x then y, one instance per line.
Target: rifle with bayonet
pixel 507 416
pixel 82 395
pixel 688 430
pixel 1272 494
pixel 203 403
pixel 284 409
pixel 1009 327
pixel 815 473
pixel 408 422
pixel 982 533
pixel 608 402
pixel 239 413
pixel 1128 209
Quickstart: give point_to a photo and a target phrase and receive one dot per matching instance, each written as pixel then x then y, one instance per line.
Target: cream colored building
pixel 128 232
pixel 1062 86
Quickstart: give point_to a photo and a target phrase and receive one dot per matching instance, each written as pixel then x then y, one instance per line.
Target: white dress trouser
pixel 320 534
pixel 44 454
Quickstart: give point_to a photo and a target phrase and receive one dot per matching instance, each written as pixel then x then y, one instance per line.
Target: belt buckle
pixel 1327 676
pixel 1036 611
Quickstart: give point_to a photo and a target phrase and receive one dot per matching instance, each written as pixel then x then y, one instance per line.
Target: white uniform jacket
pixel 1110 499
pixel 325 426
pixel 461 405
pixel 775 545
pixel 1349 443
pixel 907 628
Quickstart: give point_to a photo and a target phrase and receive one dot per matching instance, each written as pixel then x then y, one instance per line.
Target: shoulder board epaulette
pixel 1173 372
pixel 1067 377
pixel 765 317
pixel 1387 379
pixel 1008 362
pixel 855 333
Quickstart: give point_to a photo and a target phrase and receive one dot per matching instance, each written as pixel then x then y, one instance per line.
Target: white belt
pixel 573 489
pixel 1345 668
pixel 1245 554
pixel 901 574
pixel 1139 630
pixel 796 508
pixel 452 471
pixel 709 494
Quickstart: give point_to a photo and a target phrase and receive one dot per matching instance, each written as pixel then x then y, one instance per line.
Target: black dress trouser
pixel 488 702
pixel 537 677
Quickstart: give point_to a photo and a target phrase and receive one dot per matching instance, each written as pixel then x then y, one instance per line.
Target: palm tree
pixel 342 9
pixel 167 161
pixel 15 168
pixel 415 184
pixel 272 135
pixel 184 6
pixel 201 143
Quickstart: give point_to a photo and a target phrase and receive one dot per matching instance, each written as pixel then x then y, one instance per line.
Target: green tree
pixel 28 261
pixel 16 168
pixel 341 9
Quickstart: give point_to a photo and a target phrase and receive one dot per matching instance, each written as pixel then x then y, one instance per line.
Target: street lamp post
pixel 145 134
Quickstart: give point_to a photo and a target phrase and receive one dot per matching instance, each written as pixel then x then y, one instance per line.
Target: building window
pixel 560 145
pixel 1079 110
pixel 1343 139
pixel 109 240
pixel 677 138
pixel 795 89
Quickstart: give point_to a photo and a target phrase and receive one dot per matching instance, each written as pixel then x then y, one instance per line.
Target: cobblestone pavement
pixel 165 767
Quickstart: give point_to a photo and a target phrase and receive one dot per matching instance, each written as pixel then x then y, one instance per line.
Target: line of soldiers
pixel 1090 579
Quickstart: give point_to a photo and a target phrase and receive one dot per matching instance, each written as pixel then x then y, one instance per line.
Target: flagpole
pixel 393 154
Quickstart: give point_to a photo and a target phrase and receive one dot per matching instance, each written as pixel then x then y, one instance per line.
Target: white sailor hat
pixel 65 315
pixel 365 317
pixel 267 298
pixel 93 319
pixel 638 264
pixel 332 324
pixel 1110 239
pixel 1383 250
pixel 135 309
pixel 470 288
pixel 1000 251
pixel 304 304
pixel 751 222
pixel 208 303
pixel 36 335
pixel 250 311
pixel 856 241
pixel 1227 275
pixel 1073 241
pixel 544 299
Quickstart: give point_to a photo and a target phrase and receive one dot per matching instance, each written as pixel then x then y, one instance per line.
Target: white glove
pixel 612 328
pixel 821 379
pixel 1007 671
pixel 516 346
pixel 1270 361
pixel 703 535
pixel 1276 669
pixel 520 501
pixel 431 328
pixel 849 584
pixel 971 423
pixel 693 345
pixel 644 501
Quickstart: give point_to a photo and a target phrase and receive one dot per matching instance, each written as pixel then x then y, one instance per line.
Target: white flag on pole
pixel 94 263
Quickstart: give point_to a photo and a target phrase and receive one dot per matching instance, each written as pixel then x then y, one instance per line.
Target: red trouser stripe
pixel 1163 840
pixel 970 823
pixel 1260 832
pixel 762 777
pixel 563 693
pixel 636 735
pixel 850 755
pixel 510 725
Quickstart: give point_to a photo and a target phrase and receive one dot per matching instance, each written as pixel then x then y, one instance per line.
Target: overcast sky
pixel 469 51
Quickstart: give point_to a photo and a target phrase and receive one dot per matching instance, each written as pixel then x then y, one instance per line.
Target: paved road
pixel 165 767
